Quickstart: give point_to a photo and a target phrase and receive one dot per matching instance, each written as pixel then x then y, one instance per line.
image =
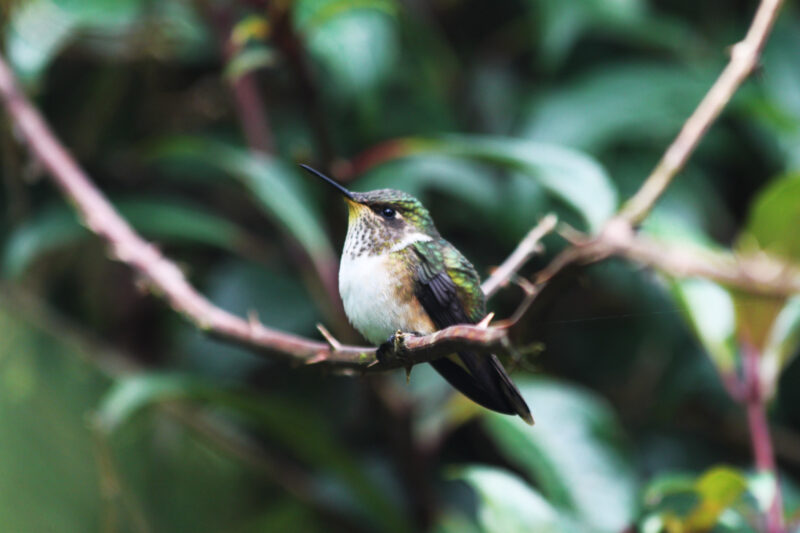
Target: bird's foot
pixel 394 347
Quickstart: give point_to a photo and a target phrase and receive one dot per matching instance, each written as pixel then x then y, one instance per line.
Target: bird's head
pixel 383 219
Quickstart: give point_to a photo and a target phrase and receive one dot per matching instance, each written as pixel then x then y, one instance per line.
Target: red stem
pixel 763 452
pixel 252 114
pixel 250 108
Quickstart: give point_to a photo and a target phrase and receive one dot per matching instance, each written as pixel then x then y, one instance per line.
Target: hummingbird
pixel 397 274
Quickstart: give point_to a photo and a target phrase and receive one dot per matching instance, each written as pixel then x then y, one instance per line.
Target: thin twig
pixel 757 274
pixel 525 249
pixel 744 58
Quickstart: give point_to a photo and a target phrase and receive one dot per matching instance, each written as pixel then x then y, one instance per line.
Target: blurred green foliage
pixel 115 415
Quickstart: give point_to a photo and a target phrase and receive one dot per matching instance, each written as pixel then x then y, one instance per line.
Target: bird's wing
pixel 447 285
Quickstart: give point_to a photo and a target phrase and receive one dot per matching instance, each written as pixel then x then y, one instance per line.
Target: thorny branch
pixel 744 58
pixel 618 238
pixel 166 279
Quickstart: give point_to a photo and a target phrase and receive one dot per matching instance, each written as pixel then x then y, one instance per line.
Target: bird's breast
pixel 378 296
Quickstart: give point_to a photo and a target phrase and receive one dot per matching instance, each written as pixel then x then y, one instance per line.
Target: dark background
pixel 116 415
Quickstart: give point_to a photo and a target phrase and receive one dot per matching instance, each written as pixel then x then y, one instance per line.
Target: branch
pixel 617 237
pixel 744 58
pixel 756 406
pixel 167 280
pixel 416 350
pixel 524 251
pixel 759 274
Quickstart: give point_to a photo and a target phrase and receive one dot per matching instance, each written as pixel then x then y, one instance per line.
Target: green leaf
pixel 573 452
pixel 419 174
pixel 56 226
pixel 560 26
pixel 277 297
pixel 177 221
pixel 248 60
pixel 571 176
pixel 39 29
pixel 718 489
pixel 774 218
pixel 717 500
pixel 303 433
pixel 771 227
pixel 47 384
pixel 628 102
pixel 709 309
pixel 355 42
pixel 131 394
pixel 453 522
pixel 668 485
pixel 687 213
pixel 287 514
pixel 755 317
pixel 762 486
pixel 782 343
pixel 278 186
pixel 508 505
pixel 777 106
pixel 53 227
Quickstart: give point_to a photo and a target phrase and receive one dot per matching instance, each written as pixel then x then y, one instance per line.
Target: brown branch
pixel 166 279
pixel 758 274
pixel 744 58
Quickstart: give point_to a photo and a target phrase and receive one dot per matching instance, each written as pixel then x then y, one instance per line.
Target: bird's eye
pixel 388 212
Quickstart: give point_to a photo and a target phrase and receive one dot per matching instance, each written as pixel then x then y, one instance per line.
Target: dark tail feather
pixel 486 383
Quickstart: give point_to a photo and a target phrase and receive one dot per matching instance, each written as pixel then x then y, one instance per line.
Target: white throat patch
pixel 410 239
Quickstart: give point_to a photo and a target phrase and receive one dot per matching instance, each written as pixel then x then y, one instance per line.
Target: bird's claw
pixel 394 347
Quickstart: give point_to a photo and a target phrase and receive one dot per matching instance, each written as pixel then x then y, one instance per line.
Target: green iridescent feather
pixel 440 256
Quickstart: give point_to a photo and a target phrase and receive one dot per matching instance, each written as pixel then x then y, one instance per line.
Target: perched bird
pixel 398 274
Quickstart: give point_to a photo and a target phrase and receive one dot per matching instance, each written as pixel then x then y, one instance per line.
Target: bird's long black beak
pixel 330 181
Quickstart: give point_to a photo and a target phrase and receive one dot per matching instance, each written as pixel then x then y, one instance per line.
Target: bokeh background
pixel 117 415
